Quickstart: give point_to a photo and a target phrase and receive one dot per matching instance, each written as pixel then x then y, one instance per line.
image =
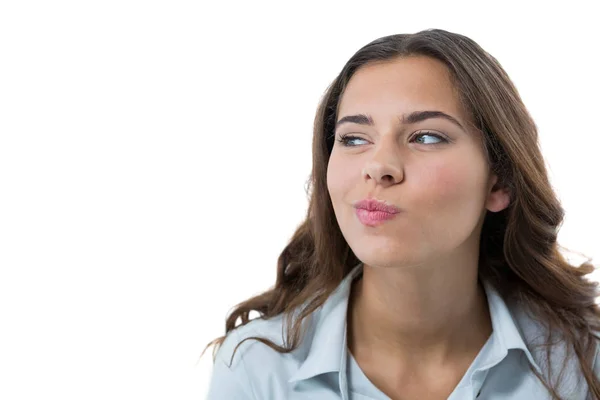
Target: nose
pixel 384 173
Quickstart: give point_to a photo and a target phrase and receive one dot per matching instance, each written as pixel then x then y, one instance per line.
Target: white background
pixel 154 156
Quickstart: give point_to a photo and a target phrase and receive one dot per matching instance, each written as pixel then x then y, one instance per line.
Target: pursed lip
pixel 376 205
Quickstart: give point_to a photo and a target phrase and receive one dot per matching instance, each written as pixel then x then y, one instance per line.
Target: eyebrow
pixel 412 118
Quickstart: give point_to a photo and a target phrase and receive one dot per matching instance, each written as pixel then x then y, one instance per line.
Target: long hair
pixel 519 253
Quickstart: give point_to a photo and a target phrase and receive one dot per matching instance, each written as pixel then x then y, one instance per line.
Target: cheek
pixel 332 173
pixel 339 178
pixel 454 187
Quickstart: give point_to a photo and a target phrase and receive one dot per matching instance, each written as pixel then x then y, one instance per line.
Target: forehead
pixel 401 85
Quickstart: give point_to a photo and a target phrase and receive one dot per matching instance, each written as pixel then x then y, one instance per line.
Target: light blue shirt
pixel 323 368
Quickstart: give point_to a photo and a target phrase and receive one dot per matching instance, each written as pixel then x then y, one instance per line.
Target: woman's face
pixel 441 184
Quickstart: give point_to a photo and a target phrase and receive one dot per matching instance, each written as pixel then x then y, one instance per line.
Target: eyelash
pixel 344 139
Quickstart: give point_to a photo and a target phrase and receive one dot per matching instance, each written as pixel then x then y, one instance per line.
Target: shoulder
pixel 240 346
pixel 246 364
pixel 548 346
pixel 252 353
pixel 596 361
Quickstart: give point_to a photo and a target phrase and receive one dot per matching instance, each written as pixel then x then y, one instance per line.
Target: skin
pixel 418 316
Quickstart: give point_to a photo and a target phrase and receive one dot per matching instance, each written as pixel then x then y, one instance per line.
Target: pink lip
pixel 372 212
pixel 376 205
pixel 372 218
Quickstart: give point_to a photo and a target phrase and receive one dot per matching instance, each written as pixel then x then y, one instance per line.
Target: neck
pixel 432 316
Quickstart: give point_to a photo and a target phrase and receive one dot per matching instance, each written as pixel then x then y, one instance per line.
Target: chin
pixel 383 259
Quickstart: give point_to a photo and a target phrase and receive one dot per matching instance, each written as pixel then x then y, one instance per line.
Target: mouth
pixel 376 205
pixel 373 218
pixel 372 212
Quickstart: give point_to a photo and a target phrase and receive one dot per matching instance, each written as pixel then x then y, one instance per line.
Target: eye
pixel 426 133
pixel 347 139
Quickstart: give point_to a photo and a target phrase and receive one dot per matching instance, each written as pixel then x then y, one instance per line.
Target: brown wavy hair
pixel 519 253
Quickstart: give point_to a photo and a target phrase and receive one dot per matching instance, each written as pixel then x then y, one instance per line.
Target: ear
pixel 498 197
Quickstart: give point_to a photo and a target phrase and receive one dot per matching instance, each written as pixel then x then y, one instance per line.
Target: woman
pixel 427 266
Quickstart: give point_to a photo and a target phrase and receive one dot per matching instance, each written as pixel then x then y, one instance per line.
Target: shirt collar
pixel 328 345
pixel 506 332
